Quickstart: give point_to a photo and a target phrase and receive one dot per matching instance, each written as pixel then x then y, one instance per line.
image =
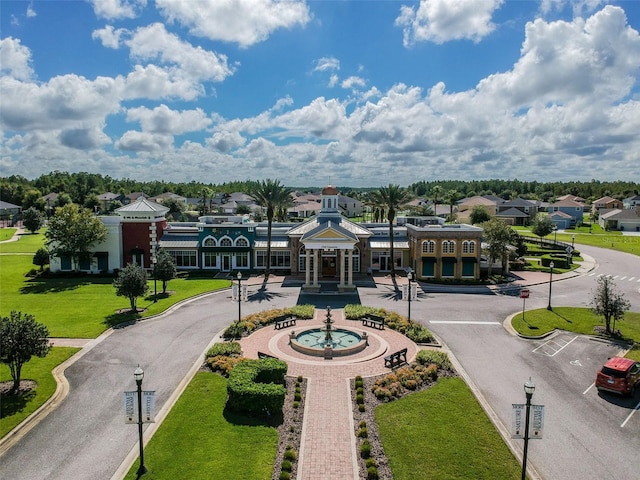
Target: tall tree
pixel 497 235
pixel 165 268
pixel 270 195
pixel 21 337
pixel 608 302
pixel 32 219
pixel 72 231
pixel 131 282
pixel 542 225
pixel 392 198
pixel 436 193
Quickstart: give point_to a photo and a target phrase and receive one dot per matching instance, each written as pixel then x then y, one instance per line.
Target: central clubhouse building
pixel 326 247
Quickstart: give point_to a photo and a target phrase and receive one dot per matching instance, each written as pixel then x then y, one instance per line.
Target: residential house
pixel 572 208
pixel 489 203
pixel 605 203
pixel 631 202
pixel 517 212
pixel 107 198
pixel 626 219
pixel 9 213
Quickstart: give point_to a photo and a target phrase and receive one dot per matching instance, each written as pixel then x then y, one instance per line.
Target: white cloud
pixel 15 59
pixel 117 9
pixel 155 43
pixel 333 81
pixel 245 22
pixel 440 21
pixel 83 138
pixel 30 11
pixel 326 63
pixel 133 141
pixel 226 141
pixel 163 120
pixel 353 82
pixel 109 36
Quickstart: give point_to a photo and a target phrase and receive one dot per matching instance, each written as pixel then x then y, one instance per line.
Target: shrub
pixel 360 390
pixel 428 357
pixel 224 348
pixel 365 449
pixel 361 407
pixel 299 379
pixel 284 476
pixel 286 466
pixel 363 432
pixel 372 473
pixel 297 397
pixel 296 404
pixel 370 462
pixel 290 454
pixel 359 383
pixel 235 330
pixel 257 385
pixel 223 364
pixel 360 399
pixel 362 424
pixel 382 393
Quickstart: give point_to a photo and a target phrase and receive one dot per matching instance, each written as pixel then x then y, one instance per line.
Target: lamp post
pixel 555 234
pixel 550 283
pixel 239 277
pixel 529 388
pixel 573 241
pixel 154 260
pixel 409 277
pixel 139 375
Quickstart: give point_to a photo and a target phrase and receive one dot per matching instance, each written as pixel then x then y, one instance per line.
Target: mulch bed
pixel 25 387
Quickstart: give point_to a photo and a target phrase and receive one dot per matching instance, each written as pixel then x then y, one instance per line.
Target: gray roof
pixel 178 241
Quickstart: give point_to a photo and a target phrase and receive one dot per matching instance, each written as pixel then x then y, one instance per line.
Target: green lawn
pixel 443 433
pixel 610 240
pixel 199 440
pixel 573 319
pixel 6 233
pixel 84 306
pixel 28 243
pixel 15 409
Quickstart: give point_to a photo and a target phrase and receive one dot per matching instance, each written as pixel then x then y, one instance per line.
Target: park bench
pixel 284 321
pixel 373 321
pixel 395 359
pixel 262 355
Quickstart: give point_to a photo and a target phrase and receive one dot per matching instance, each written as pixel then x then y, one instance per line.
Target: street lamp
pixel 555 234
pixel 550 283
pixel 573 241
pixel 409 277
pixel 139 375
pixel 239 277
pixel 154 260
pixel 529 388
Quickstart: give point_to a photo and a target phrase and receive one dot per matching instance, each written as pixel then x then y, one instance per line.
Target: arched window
pixel 225 242
pixel 448 246
pixel 209 242
pixel 428 246
pixel 469 246
pixel 242 242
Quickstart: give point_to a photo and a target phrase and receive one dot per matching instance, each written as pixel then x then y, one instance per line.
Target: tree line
pixel 82 187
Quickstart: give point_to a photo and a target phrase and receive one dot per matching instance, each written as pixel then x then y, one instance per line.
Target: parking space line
pixel 465 322
pixel 630 415
pixel 632 279
pixel 590 387
pixel 550 346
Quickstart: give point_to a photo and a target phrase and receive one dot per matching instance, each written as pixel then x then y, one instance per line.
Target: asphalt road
pixel 586 435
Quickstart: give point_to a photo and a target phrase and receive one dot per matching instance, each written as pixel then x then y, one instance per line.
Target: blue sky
pixel 357 93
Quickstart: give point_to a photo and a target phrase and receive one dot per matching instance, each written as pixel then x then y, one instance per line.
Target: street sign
pixel 414 291
pixel 524 293
pixel 131 406
pixel 536 421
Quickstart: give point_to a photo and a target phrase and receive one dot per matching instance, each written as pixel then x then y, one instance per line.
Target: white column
pixel 307 268
pixel 342 265
pixel 315 267
pixel 350 279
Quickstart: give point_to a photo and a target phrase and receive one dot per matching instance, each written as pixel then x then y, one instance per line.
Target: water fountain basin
pixel 314 342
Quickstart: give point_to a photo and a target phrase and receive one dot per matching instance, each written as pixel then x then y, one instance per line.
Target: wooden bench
pixel 284 321
pixel 262 355
pixel 395 359
pixel 373 321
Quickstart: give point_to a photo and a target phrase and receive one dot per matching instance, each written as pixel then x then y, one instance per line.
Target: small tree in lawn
pixel 32 219
pixel 608 302
pixel 165 269
pixel 131 283
pixel 21 337
pixel 41 258
pixel 542 225
pixel 479 214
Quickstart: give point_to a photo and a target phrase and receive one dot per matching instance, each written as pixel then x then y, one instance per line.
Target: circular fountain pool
pixel 341 342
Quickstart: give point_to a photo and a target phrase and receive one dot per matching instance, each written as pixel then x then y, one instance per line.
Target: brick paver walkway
pixel 328 446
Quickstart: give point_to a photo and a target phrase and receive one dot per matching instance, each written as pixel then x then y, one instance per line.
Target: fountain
pixel 328 341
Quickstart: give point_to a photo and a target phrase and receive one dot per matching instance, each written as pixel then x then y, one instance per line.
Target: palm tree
pixel 391 198
pixel 436 192
pixel 270 194
pixel 452 197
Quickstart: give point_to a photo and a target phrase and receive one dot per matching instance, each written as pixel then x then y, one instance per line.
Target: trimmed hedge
pixel 256 387
pixel 559 261
pixel 412 330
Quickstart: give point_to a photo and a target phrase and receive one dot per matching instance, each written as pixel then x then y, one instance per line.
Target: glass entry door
pixel 385 263
pixel 226 263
